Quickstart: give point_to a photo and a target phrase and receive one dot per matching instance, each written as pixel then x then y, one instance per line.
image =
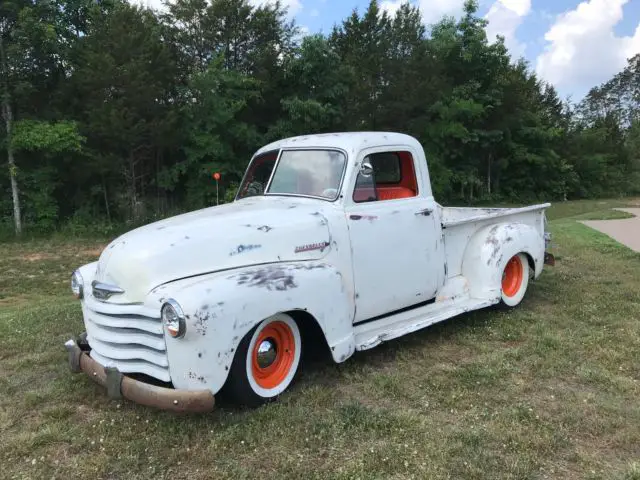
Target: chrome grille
pixel 120 336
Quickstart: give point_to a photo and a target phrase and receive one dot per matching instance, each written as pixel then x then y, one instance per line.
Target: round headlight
pixel 77 284
pixel 173 319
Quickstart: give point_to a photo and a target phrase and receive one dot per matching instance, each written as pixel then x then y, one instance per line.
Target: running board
pixel 372 334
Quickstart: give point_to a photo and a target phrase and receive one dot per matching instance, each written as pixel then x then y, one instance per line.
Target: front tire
pixel 515 279
pixel 266 361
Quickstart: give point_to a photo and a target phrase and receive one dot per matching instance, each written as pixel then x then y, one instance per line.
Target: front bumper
pixel 122 386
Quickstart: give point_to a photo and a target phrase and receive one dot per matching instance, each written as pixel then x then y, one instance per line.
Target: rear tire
pixel 515 279
pixel 266 361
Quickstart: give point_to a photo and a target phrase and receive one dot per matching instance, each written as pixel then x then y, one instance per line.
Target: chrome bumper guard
pixel 122 386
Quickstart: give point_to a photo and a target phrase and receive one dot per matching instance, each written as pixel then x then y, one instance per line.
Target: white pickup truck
pixel 332 239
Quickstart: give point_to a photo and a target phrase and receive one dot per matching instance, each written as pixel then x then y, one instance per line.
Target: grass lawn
pixel 548 390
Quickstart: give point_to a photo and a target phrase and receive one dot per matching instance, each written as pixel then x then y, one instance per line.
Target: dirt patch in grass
pixel 93 252
pixel 35 257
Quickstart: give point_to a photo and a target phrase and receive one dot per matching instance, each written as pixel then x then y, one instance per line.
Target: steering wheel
pixel 330 192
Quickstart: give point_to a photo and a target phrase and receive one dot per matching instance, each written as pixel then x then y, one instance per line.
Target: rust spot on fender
pixel 201 322
pixel 271 278
pixel 195 376
pixel 494 242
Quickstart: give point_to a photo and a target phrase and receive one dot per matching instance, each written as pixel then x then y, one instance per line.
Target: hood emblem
pixel 102 291
pixel 312 246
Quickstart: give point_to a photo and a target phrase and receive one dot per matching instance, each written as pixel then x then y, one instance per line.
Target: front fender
pixel 221 308
pixel 489 250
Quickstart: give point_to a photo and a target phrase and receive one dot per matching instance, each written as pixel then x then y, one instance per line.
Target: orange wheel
pixel 273 354
pixel 512 277
pixel 515 278
pixel 266 361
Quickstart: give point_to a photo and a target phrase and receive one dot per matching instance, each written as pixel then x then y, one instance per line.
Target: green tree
pixel 317 86
pixel 28 66
pixel 216 138
pixel 123 95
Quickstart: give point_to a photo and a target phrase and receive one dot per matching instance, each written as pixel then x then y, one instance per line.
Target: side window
pixel 393 177
pixel 386 167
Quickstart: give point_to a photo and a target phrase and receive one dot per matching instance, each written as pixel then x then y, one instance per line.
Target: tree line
pixel 117 113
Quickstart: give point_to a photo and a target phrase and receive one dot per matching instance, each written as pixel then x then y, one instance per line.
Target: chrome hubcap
pixel 267 353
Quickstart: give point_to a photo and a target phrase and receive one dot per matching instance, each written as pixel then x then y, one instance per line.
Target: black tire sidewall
pixel 237 386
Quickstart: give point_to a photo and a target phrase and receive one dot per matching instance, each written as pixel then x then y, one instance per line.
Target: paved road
pixel 625 231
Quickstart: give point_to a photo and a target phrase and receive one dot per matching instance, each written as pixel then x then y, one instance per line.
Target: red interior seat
pixel 392 193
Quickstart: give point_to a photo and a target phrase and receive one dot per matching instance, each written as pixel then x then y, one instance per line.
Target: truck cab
pixel 332 238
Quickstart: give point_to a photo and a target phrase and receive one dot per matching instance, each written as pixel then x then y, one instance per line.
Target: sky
pixel 571 44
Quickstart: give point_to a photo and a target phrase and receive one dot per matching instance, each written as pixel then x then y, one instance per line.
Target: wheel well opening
pixel 532 265
pixel 314 342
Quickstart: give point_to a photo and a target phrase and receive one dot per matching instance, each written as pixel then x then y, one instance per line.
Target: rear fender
pixel 221 308
pixel 489 250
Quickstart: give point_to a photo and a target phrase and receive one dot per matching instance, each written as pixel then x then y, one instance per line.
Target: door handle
pixel 426 212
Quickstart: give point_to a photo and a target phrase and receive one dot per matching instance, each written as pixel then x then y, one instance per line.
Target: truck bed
pixel 452 216
pixel 460 224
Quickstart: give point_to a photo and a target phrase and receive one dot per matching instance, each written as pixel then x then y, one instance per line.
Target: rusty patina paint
pixel 412 263
pixel 271 278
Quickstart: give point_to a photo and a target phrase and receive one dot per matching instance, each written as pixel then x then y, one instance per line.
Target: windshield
pixel 314 173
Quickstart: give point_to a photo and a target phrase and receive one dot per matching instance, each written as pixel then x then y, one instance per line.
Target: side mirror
pixel 366 169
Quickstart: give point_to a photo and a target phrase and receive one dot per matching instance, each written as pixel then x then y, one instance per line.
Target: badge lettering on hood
pixel 311 246
pixel 102 291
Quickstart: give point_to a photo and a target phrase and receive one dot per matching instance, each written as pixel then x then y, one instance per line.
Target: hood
pixel 247 232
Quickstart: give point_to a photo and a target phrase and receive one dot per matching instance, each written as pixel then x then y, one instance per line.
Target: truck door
pixel 395 232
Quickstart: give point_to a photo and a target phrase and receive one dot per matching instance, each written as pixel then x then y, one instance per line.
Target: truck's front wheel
pixel 266 361
pixel 515 279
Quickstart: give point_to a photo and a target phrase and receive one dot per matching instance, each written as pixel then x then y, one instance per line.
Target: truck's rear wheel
pixel 266 361
pixel 515 279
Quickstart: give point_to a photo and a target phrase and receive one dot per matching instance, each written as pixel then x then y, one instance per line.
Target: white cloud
pixel 156 4
pixel 432 10
pixel 582 50
pixel 293 6
pixel 314 12
pixel 391 6
pixel 505 16
pixel 303 30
